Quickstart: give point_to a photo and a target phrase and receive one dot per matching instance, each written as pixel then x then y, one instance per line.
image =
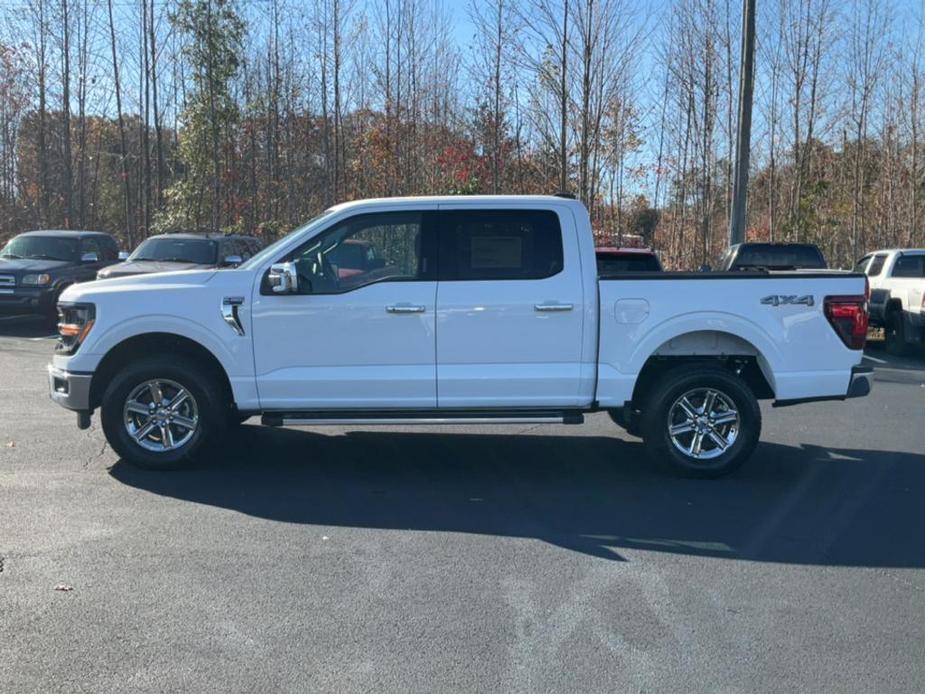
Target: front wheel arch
pixel 146 344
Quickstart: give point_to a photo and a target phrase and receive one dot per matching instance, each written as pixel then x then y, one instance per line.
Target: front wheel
pixel 163 412
pixel 701 421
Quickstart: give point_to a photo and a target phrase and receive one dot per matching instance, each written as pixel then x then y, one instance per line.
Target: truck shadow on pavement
pixel 596 495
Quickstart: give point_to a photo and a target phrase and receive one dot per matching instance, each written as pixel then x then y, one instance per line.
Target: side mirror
pixel 232 261
pixel 283 278
pixel 90 257
pixel 123 255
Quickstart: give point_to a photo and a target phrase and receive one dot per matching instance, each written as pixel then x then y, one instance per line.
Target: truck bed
pixel 777 319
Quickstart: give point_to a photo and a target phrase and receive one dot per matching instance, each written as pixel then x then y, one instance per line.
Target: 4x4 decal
pixel 788 300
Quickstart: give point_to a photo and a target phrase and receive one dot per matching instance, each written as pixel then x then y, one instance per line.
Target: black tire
pixel 664 406
pixel 895 334
pixel 208 410
pixel 236 419
pixel 625 421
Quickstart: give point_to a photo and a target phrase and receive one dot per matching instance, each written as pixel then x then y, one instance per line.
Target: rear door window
pixel 909 266
pixel 500 245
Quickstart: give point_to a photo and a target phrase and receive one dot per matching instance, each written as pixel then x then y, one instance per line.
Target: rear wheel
pixel 896 343
pixel 163 412
pixel 701 421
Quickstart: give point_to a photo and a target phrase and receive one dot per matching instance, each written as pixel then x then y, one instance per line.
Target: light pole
pixel 743 137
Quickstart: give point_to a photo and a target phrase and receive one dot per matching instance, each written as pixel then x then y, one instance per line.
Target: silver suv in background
pixel 184 251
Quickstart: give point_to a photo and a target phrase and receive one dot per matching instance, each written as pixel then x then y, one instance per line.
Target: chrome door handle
pixel 405 308
pixel 553 307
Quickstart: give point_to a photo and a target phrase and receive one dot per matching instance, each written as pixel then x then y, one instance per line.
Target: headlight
pixel 36 280
pixel 75 323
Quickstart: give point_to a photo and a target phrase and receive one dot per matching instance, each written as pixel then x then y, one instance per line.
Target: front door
pixel 510 309
pixel 359 333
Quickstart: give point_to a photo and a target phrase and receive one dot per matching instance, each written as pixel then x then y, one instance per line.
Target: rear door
pixel 510 308
pixel 909 279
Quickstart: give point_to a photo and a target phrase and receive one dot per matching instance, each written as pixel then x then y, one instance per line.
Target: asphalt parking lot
pixel 414 560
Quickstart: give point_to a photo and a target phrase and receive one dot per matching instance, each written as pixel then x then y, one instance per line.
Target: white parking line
pixel 879 361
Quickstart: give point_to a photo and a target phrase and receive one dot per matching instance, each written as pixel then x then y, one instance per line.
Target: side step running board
pixel 277 419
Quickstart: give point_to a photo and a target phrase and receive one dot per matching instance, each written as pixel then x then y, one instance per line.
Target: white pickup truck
pixel 454 310
pixel 897 295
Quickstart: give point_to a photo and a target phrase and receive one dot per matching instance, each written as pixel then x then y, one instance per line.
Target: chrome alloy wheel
pixel 703 423
pixel 160 415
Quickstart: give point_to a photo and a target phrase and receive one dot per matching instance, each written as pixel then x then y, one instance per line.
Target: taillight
pixel 848 316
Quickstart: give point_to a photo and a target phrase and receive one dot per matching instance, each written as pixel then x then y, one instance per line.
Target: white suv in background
pixel 897 295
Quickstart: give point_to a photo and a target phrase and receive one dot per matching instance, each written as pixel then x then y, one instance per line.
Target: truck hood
pixel 22 265
pixel 133 284
pixel 144 267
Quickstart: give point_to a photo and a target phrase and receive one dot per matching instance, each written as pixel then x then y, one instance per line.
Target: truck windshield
pixel 172 250
pixel 41 248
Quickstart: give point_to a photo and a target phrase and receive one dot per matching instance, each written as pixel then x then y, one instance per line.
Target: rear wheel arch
pixel 704 348
pixel 708 347
pixel 147 344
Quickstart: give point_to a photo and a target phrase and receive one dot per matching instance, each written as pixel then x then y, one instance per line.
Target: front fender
pixel 165 323
pixel 231 351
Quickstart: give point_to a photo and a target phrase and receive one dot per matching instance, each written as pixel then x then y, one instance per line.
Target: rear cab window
pixel 501 244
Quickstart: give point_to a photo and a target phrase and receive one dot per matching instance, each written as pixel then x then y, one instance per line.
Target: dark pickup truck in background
pixel 35 267
pixel 773 256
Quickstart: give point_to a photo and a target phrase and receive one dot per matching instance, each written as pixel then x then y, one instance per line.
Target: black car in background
pixel 184 251
pixel 35 267
pixel 773 256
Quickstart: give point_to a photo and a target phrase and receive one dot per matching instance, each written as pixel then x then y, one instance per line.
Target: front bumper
pixel 26 300
pixel 68 389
